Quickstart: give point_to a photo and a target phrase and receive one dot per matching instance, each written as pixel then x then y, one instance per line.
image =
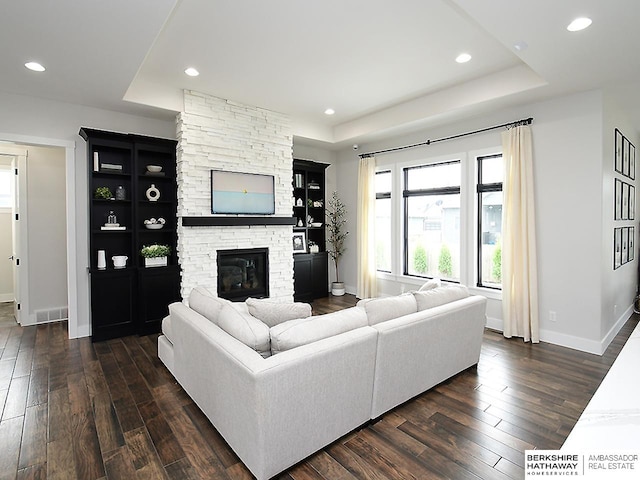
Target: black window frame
pixel 480 189
pixel 406 194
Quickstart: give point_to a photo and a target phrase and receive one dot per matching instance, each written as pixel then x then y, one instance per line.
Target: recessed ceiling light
pixel 329 111
pixel 463 58
pixel 521 46
pixel 192 72
pixel 579 24
pixel 35 66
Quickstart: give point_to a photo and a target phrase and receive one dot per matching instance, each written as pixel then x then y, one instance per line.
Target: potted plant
pixel 336 222
pixel 155 255
pixel 103 193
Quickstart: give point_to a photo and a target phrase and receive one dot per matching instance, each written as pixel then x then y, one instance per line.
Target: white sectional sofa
pixel 280 384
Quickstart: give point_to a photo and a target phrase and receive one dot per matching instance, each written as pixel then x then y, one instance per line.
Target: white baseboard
pixel 571 341
pixel 6 297
pixel 613 331
pixel 596 347
pixel 495 324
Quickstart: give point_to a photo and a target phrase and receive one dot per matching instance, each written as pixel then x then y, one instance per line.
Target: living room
pixel 573 135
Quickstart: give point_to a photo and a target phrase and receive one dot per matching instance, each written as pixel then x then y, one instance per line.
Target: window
pixel 6 198
pixel 432 220
pixel 383 221
pixel 490 177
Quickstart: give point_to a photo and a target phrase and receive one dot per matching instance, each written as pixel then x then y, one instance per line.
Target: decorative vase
pixel 337 289
pixel 153 194
pixel 119 261
pixel 102 260
pixel 155 262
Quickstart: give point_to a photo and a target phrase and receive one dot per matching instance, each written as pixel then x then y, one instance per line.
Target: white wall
pixel 568 163
pixel 6 248
pixel 567 153
pixel 32 117
pixel 6 269
pixel 47 226
pixel 618 286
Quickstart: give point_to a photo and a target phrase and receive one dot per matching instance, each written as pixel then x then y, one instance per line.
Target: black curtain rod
pixel 526 121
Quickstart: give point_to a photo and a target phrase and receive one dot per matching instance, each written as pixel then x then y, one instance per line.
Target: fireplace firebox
pixel 243 274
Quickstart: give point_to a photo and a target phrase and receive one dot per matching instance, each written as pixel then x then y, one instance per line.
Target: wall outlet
pixel 552 316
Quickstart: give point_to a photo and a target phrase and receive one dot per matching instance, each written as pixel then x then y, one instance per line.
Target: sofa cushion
pixel 362 302
pixel 245 328
pixel 430 285
pixel 294 333
pixel 385 308
pixel 272 313
pixel 440 296
pixel 207 305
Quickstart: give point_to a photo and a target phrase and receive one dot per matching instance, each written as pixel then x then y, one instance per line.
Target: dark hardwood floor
pixel 73 409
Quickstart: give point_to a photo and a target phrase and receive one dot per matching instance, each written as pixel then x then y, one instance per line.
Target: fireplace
pixel 243 273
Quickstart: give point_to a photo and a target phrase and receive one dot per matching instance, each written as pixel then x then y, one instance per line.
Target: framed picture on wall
pixel 632 202
pixel 632 238
pixel 625 245
pixel 625 201
pixel 618 151
pixel 625 156
pixel 617 202
pixel 299 242
pixel 617 247
pixel 632 161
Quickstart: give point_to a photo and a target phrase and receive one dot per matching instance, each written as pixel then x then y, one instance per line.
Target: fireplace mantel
pixel 206 221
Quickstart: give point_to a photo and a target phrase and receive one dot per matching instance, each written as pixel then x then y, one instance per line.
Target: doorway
pixel 10 157
pixel 35 288
pixel 6 238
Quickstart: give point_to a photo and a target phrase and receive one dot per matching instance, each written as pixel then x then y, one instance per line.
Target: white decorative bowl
pixel 154 226
pixel 154 168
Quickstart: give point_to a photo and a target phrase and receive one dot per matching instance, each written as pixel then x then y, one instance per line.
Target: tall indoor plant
pixel 336 221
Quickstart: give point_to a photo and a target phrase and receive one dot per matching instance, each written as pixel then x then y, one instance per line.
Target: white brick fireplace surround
pixel 219 134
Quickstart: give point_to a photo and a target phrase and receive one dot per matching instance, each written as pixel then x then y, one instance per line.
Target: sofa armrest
pixel 418 351
pixel 276 411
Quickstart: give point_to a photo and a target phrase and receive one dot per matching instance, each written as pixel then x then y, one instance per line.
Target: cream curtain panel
pixel 519 267
pixel 365 234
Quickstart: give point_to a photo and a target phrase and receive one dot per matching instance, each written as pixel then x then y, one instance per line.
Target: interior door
pixel 15 257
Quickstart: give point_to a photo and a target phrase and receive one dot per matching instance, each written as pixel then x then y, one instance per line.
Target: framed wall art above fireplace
pixel 242 193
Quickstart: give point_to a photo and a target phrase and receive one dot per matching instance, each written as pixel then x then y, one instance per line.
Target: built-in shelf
pixel 135 299
pixel 310 269
pixel 235 221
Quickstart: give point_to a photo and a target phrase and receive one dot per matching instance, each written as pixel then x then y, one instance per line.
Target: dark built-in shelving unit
pixel 311 276
pixel 133 299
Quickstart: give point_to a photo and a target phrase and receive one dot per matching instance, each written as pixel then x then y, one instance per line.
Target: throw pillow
pixel 430 285
pixel 245 328
pixel 207 305
pixel 440 296
pixel 385 308
pixel 272 313
pixel 294 333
